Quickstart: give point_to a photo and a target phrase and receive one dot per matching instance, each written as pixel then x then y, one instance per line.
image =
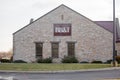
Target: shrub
pixel 96 62
pixel 39 60
pixel 5 61
pixel 84 62
pixel 118 59
pixel 46 60
pixel 69 59
pixel 19 61
pixel 109 61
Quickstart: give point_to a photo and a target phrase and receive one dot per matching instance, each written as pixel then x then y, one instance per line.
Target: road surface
pixel 87 75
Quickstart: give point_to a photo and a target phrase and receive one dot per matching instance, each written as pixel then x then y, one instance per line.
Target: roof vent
pixel 31 20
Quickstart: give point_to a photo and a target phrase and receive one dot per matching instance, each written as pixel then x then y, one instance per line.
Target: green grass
pixel 110 79
pixel 49 67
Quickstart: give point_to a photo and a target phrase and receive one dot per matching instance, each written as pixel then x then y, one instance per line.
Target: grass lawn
pixel 49 67
pixel 110 79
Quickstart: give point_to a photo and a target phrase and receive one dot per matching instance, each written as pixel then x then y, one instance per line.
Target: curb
pixel 61 71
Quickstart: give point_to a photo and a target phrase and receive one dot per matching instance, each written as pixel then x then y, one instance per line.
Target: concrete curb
pixel 61 71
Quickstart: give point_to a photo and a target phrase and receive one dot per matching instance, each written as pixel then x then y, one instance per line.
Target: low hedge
pixel 84 62
pixel 5 61
pixel 69 59
pixel 97 62
pixel 118 59
pixel 108 61
pixel 19 61
pixel 46 60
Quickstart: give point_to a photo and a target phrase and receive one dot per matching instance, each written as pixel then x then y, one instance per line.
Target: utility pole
pixel 114 25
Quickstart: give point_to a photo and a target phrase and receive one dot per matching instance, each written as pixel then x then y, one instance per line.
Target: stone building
pixel 65 32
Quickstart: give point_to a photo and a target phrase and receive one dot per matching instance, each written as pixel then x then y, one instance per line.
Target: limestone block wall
pixel 118 48
pixel 92 41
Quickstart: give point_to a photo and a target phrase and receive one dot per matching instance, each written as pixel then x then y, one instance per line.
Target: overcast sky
pixel 15 14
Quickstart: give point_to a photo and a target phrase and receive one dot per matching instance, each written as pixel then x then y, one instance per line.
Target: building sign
pixel 62 29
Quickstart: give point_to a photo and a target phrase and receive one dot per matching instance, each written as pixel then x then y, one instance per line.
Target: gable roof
pixel 52 11
pixel 108 25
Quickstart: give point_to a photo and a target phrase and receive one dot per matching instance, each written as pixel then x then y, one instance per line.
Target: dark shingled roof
pixel 108 25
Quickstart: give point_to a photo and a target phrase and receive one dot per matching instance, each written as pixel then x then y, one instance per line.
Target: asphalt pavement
pixel 90 74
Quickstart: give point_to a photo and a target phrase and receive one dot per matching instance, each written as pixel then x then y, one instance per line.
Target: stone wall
pixel 92 41
pixel 118 48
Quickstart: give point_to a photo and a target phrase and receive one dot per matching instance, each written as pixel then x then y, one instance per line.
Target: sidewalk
pixel 61 71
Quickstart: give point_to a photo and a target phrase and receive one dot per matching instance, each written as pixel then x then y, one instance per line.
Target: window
pixel 39 50
pixel 55 47
pixel 71 48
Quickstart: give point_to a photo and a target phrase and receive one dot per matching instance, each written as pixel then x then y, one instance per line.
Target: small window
pixel 39 50
pixel 71 49
pixel 55 47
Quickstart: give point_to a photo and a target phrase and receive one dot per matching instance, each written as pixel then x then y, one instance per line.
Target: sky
pixel 15 14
